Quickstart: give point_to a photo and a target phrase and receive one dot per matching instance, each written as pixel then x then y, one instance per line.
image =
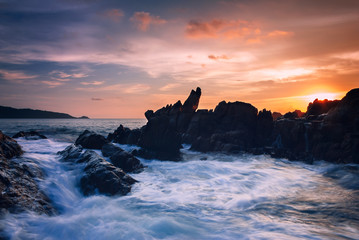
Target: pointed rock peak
pixel 191 104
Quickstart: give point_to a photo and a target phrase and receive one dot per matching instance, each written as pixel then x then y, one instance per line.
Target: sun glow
pixel 321 96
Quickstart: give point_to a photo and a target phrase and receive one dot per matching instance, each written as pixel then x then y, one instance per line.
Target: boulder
pixel 91 140
pixel 31 135
pixel 9 147
pixel 121 158
pixel 100 176
pixel 127 162
pixel 103 177
pixel 124 135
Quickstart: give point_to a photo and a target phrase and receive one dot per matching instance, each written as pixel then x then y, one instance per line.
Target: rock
pixel 276 115
pixel 9 147
pixel 121 158
pixel 91 140
pixel 293 115
pixel 19 190
pixel 160 139
pixel 71 153
pixel 110 149
pixel 100 176
pixel 125 135
pixel 318 107
pixel 264 128
pixel 32 135
pixel 103 177
pixel 191 104
pixel 127 162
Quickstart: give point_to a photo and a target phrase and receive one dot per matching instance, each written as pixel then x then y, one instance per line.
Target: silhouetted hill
pixel 9 112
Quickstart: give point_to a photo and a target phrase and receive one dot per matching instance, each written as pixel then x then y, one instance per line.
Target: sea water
pixel 205 196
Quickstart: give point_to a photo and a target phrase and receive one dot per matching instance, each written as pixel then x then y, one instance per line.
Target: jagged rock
pixel 125 135
pixel 264 128
pixel 293 115
pixel 103 177
pixel 9 147
pixel 276 115
pixel 91 140
pixel 18 189
pixel 32 135
pixel 318 107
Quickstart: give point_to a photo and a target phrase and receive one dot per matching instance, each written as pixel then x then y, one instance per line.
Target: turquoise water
pixel 223 197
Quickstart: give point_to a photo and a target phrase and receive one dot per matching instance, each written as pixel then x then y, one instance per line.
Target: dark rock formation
pixel 333 137
pixel 319 107
pixel 293 115
pixel 32 135
pixel 161 137
pixel 276 115
pixel 103 177
pixel 18 189
pixel 121 158
pixel 99 176
pixel 125 135
pixel 91 140
pixel 9 147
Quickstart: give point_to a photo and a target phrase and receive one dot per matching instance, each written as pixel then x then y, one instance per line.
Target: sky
pixel 118 58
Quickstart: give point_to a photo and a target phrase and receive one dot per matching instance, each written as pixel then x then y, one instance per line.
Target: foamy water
pixel 222 197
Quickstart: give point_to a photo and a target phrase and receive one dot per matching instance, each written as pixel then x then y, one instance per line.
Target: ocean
pixel 205 196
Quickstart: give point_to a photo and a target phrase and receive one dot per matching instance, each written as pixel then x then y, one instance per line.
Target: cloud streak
pixel 144 20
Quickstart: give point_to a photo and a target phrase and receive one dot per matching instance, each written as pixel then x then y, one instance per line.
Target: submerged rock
pixel 19 190
pixel 91 140
pixel 32 135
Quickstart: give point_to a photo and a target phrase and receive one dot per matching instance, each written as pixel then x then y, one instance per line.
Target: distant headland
pixel 9 112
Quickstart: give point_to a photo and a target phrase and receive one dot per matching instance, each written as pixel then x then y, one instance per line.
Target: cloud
pixel 15 75
pixel 114 14
pixel 94 83
pixel 97 99
pixel 53 83
pixel 198 29
pixel 61 76
pixel 231 29
pixel 170 86
pixel 143 20
pixel 223 57
pixel 136 88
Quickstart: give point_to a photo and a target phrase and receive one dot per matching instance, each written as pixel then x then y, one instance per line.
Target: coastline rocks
pixel 103 177
pixel 99 176
pixel 318 107
pixel 123 135
pixel 19 190
pixel 122 159
pixel 9 147
pixel 91 140
pixel 32 135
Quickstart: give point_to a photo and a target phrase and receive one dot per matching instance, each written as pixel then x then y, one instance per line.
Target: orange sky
pixel 116 60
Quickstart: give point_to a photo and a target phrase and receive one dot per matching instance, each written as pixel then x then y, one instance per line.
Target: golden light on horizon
pixel 322 96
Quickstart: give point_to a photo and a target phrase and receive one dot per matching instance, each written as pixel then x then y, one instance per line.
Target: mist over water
pixel 222 197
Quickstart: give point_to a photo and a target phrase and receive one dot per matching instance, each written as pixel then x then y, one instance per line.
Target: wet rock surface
pixel 100 176
pixel 19 190
pixel 31 135
pixel 91 140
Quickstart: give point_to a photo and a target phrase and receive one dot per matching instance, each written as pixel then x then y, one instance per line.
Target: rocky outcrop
pixel 122 159
pixel 99 176
pixel 31 135
pixel 19 190
pixel 9 147
pixel 318 107
pixel 161 136
pixel 91 140
pixel 124 135
pixel 332 137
